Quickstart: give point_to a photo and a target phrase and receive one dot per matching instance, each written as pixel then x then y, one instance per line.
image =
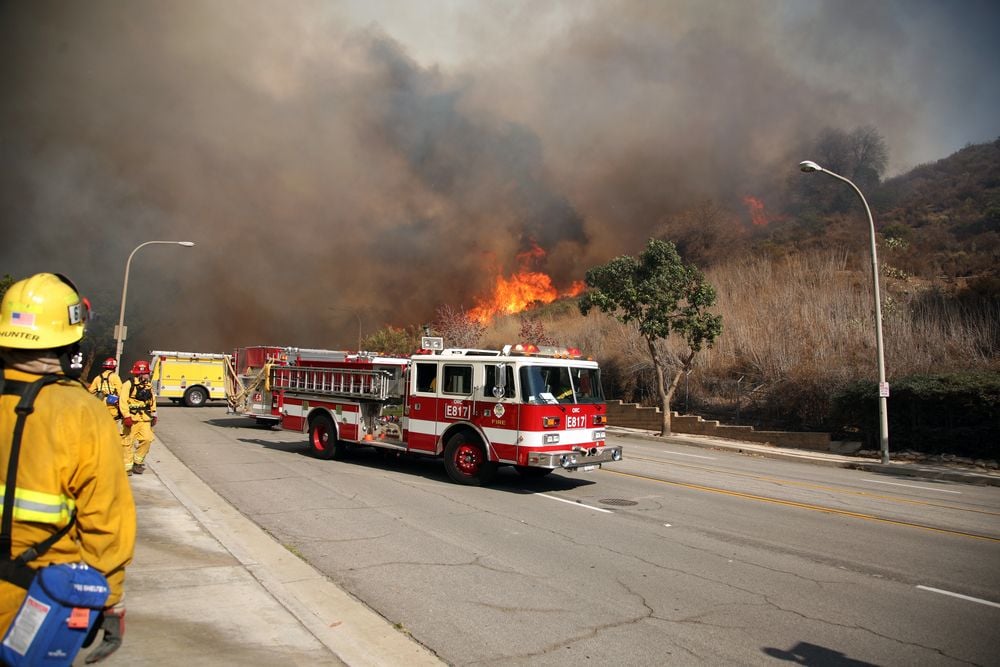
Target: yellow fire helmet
pixel 42 312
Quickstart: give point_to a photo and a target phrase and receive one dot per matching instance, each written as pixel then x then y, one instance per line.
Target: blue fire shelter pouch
pixel 58 613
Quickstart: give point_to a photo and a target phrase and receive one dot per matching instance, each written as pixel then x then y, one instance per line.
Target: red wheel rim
pixel 468 458
pixel 321 438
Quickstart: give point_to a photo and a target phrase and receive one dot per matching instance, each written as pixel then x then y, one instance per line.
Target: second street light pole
pixel 120 329
pixel 809 166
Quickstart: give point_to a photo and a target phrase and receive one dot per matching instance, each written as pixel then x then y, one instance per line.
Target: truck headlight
pixel 551 438
pixel 599 435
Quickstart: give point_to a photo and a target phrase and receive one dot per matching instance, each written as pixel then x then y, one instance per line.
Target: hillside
pixel 942 220
pixel 796 298
pixel 938 222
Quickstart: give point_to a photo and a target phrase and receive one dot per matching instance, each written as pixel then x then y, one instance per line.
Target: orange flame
pixel 521 290
pixel 513 295
pixel 756 206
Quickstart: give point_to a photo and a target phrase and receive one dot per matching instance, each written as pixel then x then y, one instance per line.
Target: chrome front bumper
pixel 575 458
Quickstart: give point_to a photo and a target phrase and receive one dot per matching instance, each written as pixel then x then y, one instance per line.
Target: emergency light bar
pixel 530 349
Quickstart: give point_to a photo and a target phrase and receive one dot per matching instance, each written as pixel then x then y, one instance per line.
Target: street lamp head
pixel 120 329
pixel 808 166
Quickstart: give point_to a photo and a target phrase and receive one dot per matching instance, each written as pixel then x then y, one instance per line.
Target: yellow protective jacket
pixel 138 409
pixel 70 457
pixel 108 382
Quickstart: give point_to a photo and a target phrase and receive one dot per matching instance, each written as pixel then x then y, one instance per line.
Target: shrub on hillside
pixel 956 413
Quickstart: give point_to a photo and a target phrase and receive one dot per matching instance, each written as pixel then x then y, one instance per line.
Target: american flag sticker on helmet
pixel 22 319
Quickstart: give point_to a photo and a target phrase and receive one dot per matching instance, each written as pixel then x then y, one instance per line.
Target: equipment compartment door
pixel 455 403
pixel 422 407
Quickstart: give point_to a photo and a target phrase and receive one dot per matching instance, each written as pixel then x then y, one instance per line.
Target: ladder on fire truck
pixel 342 382
pixel 239 388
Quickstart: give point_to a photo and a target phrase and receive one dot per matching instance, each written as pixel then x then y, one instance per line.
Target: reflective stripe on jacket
pixel 38 506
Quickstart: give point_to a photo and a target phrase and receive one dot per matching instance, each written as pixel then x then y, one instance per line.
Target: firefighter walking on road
pixel 139 410
pixel 107 386
pixel 65 499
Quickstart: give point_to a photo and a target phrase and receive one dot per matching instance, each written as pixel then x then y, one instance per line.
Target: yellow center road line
pixel 820 487
pixel 806 506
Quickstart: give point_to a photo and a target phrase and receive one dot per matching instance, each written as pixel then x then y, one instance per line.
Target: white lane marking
pixel 914 486
pixel 694 456
pixel 959 595
pixel 573 502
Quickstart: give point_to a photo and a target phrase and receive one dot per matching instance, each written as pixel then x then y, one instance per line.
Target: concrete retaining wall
pixel 631 415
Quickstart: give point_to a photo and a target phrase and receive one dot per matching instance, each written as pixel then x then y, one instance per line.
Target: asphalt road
pixel 675 556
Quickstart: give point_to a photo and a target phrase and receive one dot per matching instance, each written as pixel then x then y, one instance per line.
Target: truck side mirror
pixel 500 381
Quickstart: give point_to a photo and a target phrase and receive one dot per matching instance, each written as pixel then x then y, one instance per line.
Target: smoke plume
pixel 341 166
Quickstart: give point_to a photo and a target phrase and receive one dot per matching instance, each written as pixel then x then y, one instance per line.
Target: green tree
pixel 662 296
pixel 860 155
pixel 393 340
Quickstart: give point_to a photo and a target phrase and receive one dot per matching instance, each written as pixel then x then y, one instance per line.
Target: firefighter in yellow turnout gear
pixel 69 464
pixel 139 410
pixel 107 386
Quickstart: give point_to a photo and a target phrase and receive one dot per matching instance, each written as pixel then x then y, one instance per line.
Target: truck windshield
pixel 560 384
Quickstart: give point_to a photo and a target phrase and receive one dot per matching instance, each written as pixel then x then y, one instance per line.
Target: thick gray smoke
pixel 334 166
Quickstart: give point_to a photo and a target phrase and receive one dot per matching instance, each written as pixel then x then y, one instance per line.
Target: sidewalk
pixel 207 587
pixel 939 471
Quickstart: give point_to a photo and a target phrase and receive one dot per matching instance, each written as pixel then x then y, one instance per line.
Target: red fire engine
pixel 538 410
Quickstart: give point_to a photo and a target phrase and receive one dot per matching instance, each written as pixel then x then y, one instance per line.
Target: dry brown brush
pixel 796 330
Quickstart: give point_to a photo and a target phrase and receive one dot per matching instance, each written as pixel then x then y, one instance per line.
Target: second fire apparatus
pixel 192 378
pixel 538 410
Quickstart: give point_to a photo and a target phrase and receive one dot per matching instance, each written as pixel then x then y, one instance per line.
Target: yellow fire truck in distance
pixel 191 378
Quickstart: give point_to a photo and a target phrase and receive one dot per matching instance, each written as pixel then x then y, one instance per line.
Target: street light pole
pixel 120 329
pixel 883 388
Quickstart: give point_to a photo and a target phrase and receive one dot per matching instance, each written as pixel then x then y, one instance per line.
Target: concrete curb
pixel 349 629
pixel 900 468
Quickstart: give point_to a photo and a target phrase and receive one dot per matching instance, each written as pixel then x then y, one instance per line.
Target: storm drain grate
pixel 618 502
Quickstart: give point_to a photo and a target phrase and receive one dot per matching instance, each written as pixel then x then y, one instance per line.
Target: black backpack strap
pixel 27 391
pixel 106 382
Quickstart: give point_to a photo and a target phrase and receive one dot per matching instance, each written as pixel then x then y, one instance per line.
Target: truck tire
pixel 195 396
pixel 323 439
pixel 466 462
